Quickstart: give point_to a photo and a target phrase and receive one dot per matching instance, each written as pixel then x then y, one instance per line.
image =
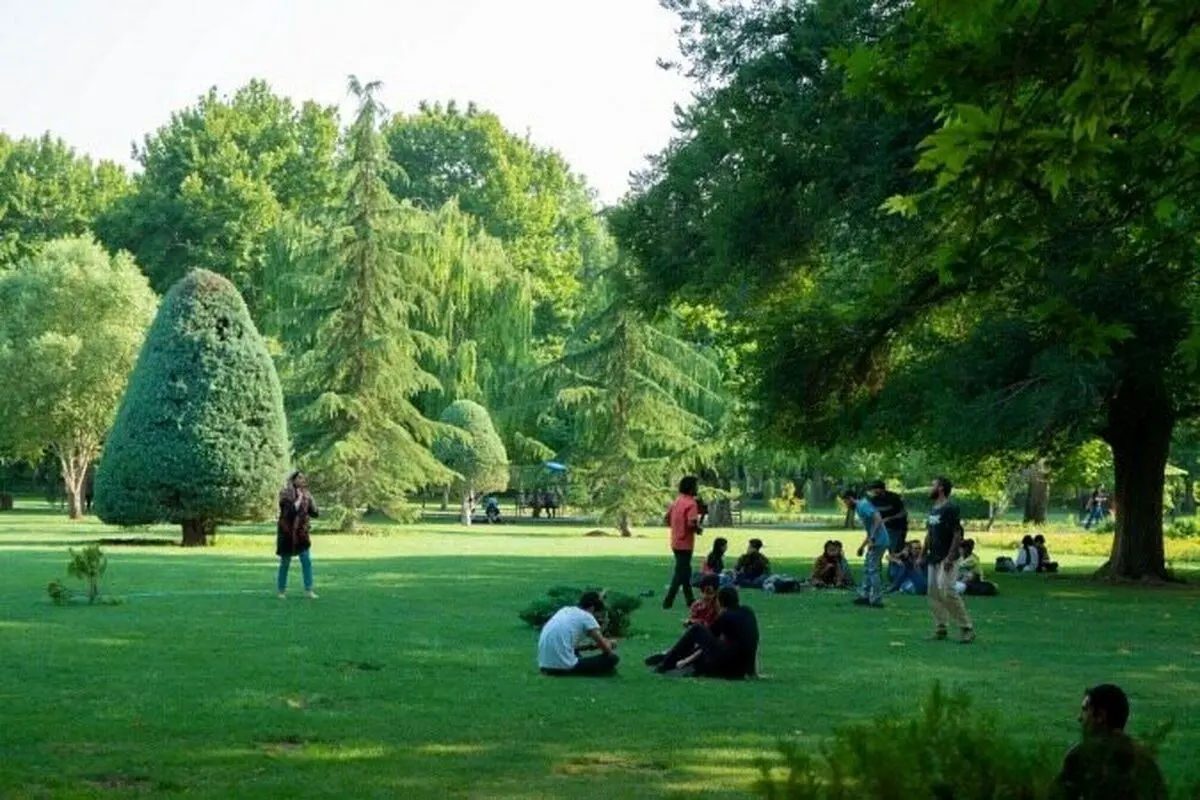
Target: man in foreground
pixel 942 544
pixel 728 649
pixel 559 644
pixel 1107 763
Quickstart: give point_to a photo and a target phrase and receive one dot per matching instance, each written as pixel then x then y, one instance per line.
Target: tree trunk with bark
pixel 196 532
pixel 1140 424
pixel 466 510
pixel 623 525
pixel 1037 502
pixel 74 458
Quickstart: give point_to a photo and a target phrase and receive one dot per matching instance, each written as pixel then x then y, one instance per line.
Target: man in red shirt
pixel 683 518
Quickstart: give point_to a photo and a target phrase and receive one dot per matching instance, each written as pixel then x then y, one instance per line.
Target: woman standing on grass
pixel 296 507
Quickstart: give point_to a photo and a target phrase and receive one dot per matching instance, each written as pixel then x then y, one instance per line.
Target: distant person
pixel 559 645
pixel 970 573
pixel 714 564
pixel 1043 553
pixel 1107 764
pixel 827 570
pixel 292 536
pixel 895 515
pixel 875 544
pixel 1095 508
pixel 683 520
pixel 943 540
pixel 752 567
pixel 1027 555
pixel 729 649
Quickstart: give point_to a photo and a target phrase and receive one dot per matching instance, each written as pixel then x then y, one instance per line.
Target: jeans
pixel 305 568
pixel 681 579
pixel 602 664
pixel 872 584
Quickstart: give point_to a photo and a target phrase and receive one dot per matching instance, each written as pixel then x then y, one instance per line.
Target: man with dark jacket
pixel 1107 764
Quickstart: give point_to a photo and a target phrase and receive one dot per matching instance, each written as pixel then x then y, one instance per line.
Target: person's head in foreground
pixel 1105 709
pixel 720 545
pixel 941 489
pixel 727 598
pixel 756 545
pixel 850 498
pixel 593 603
pixel 874 488
pixel 708 586
pixel 690 486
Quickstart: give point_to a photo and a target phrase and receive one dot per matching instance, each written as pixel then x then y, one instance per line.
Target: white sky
pixel 580 76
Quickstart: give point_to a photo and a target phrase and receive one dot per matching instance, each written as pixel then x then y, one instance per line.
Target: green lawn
pixel 413 677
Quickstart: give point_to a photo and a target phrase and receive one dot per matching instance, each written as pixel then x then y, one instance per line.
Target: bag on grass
pixel 1005 564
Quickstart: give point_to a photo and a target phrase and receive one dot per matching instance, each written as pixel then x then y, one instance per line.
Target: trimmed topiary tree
pixel 474 451
pixel 200 437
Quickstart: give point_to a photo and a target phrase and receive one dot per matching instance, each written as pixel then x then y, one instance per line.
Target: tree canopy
pixel 470 446
pixel 63 372
pixel 200 437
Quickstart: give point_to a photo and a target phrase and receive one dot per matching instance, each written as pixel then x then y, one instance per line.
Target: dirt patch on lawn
pixel 601 763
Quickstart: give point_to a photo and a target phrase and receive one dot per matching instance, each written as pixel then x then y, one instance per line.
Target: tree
pixel 216 180
pixel 200 437
pixel 358 430
pixel 519 193
pixel 1023 280
pixel 641 403
pixel 62 372
pixel 473 451
pixel 48 192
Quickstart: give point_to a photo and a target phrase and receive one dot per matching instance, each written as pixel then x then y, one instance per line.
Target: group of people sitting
pixel 720 639
pixel 751 570
pixel 1032 556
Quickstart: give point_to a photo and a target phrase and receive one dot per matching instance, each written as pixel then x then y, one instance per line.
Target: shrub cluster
pixel 618 616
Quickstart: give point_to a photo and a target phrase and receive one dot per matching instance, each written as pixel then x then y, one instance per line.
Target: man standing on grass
pixel 559 644
pixel 683 518
pixel 942 544
pixel 1107 763
pixel 870 592
pixel 895 516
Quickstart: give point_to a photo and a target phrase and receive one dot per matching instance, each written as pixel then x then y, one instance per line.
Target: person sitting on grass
pixel 1044 562
pixel 714 564
pixel 753 567
pixel 729 649
pixel 704 611
pixel 1027 556
pixel 970 573
pixel 828 572
pixel 841 553
pixel 901 567
pixel 559 644
pixel 1107 763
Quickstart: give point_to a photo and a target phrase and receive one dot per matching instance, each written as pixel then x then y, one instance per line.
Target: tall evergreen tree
pixel 200 437
pixel 641 401
pixel 358 430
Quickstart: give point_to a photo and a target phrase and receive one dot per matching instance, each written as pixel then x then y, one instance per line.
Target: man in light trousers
pixel 942 542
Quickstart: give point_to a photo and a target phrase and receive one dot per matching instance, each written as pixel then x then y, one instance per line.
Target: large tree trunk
pixel 1037 502
pixel 195 532
pixel 445 498
pixel 623 525
pixel 1139 430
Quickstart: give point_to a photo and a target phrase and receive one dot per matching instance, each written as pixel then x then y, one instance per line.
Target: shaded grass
pixel 412 676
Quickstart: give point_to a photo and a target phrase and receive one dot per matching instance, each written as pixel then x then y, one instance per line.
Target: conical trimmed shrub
pixel 200 437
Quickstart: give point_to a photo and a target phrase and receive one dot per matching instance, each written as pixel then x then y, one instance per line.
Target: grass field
pixel 411 676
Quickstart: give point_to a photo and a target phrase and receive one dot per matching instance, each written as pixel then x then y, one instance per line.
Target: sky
pixel 580 77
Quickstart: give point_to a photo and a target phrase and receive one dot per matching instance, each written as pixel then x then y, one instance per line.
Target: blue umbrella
pixel 554 466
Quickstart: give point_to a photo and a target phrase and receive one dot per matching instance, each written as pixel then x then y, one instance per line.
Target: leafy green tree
pixel 217 179
pixel 641 403
pixel 200 437
pixel 523 195
pixel 48 192
pixel 1033 281
pixel 63 370
pixel 357 428
pixel 470 446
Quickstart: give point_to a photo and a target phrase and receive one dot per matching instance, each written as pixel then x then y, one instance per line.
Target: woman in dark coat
pixel 296 507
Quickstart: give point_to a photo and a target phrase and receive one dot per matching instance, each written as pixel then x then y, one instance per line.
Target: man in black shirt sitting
pixel 728 649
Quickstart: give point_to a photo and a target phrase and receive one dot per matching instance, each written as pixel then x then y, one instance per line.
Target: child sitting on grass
pixel 704 611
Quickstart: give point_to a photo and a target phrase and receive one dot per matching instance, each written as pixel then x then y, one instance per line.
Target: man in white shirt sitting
pixel 558 647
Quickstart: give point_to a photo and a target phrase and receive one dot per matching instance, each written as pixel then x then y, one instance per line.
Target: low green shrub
pixel 617 618
pixel 60 593
pixel 1183 528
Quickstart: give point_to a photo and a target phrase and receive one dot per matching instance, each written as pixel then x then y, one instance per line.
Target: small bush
pixel 1184 528
pixel 787 502
pixel 946 750
pixel 617 618
pixel 89 565
pixel 59 593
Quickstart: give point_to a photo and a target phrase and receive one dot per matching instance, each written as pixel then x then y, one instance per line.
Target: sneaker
pixel 311 595
pixel 968 636
pixel 940 633
pixel 282 595
pixel 654 659
pixel 861 601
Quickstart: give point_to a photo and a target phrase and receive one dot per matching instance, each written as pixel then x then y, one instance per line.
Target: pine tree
pixel 642 402
pixel 358 430
pixel 200 437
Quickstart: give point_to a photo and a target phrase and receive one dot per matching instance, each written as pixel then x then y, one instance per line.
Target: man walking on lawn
pixel 942 544
pixel 683 518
